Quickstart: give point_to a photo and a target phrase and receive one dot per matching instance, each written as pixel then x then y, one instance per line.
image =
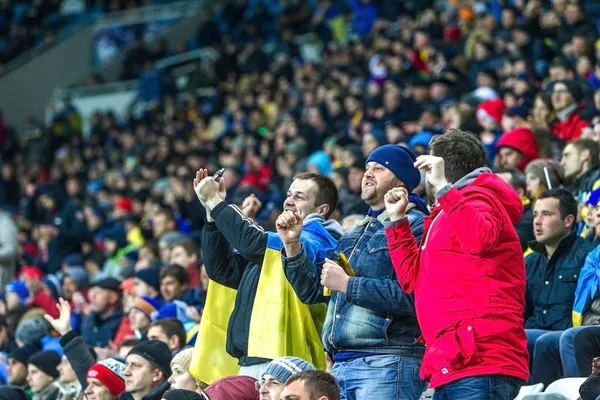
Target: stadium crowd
pixel 130 272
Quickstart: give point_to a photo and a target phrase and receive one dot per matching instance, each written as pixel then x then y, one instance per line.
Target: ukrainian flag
pixel 587 286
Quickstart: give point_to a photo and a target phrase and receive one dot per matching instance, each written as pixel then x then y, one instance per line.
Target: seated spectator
pixel 147 282
pixel 552 272
pixel 516 149
pixel 524 227
pixel 40 295
pixel 276 375
pixel 31 331
pixel 185 253
pixel 535 177
pixel 566 101
pixel 311 385
pixel 42 372
pixel 101 325
pixel 169 331
pixel 147 371
pixel 180 373
pixel 17 367
pixel 141 314
pixel 581 164
pixel 67 383
pixel 174 286
pixel 15 294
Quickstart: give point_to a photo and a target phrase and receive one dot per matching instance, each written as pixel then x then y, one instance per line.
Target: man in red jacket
pixel 467 275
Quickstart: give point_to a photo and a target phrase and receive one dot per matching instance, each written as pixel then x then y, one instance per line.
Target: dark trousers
pixel 587 347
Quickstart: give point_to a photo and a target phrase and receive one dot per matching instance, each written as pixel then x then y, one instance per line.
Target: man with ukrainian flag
pixel 252 314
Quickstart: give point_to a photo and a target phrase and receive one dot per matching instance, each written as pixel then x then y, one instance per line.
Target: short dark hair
pixel 462 153
pixel 517 178
pixel 318 384
pixel 327 192
pixel 130 342
pixel 171 327
pixel 175 271
pixel 590 145
pixel 189 245
pixel 567 205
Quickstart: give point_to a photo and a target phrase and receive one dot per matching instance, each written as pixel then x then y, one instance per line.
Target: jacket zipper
pixel 429 230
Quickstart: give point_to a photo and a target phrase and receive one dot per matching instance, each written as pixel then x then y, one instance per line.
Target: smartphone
pixel 219 174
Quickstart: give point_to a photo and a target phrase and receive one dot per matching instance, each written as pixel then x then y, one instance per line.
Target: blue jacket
pixel 375 315
pixel 98 332
pixel 551 283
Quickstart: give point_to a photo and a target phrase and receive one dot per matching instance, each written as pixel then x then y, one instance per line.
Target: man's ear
pixel 323 210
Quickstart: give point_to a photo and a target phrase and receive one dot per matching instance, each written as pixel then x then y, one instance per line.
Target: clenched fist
pixel 250 206
pixel 333 277
pixel 396 201
pixel 435 172
pixel 289 227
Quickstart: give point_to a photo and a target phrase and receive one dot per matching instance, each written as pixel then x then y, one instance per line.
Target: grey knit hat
pixel 31 331
pixel 284 367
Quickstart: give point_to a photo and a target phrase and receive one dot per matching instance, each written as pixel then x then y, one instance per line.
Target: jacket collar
pixel 382 217
pixel 564 246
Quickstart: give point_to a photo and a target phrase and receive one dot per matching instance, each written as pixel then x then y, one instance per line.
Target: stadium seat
pixel 562 389
pixel 531 389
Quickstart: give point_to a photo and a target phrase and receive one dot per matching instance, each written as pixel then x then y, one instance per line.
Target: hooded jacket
pixel 523 140
pixel 571 127
pixel 468 278
pixel 232 387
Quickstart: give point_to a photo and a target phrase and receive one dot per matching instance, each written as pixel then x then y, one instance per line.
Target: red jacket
pixel 570 128
pixel 44 300
pixel 468 278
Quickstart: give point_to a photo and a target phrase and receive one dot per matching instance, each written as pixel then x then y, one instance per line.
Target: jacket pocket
pixel 454 348
pixel 569 275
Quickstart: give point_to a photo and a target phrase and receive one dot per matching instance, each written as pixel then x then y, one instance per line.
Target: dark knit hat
pixel 182 394
pixel 109 284
pixel 400 161
pixel 13 393
pixel 151 276
pixel 46 361
pixel 284 367
pixel 31 331
pixel 23 353
pixel 156 353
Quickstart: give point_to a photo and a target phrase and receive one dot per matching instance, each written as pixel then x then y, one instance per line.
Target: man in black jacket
pixel 313 197
pixel 552 273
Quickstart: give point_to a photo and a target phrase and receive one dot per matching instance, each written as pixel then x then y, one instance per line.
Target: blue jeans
pixel 553 354
pixel 486 387
pixel 384 376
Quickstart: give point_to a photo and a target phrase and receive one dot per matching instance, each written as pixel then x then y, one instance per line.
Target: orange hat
pixel 466 13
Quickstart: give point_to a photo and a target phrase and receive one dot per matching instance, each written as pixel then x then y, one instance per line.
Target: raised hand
pixel 396 201
pixel 434 170
pixel 206 188
pixel 62 324
pixel 250 206
pixel 289 227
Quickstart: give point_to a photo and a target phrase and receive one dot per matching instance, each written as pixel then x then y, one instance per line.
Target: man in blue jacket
pixel 101 326
pixel 371 327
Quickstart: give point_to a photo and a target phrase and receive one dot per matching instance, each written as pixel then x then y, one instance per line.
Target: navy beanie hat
pixel 400 161
pixel 149 275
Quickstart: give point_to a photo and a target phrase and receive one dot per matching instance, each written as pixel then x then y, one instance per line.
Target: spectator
pixel 535 176
pixel 566 101
pixel 126 346
pixel 31 331
pixel 174 286
pixel 276 375
pixel 185 253
pixel 100 327
pixel 169 331
pixel 39 294
pixel 42 372
pixel 147 283
pixel 181 377
pixel 208 32
pixel 140 315
pixel 516 149
pixel 232 387
pixel 17 367
pixel 310 385
pixel 374 295
pixel 147 370
pixel 524 227
pixel 311 198
pixel 550 299
pixel 461 189
pixel 581 164
pixel 16 294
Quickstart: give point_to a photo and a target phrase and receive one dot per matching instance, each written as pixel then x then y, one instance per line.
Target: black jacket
pixel 155 394
pixel 551 283
pixel 238 270
pixel 583 186
pixel 524 227
pixel 80 358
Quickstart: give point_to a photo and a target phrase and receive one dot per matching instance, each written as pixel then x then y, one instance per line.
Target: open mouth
pixel 369 184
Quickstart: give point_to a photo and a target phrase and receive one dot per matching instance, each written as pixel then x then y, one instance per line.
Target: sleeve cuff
pixel 443 191
pixel 296 261
pixel 210 226
pixel 67 337
pixel 353 289
pixel 218 208
pixel 391 224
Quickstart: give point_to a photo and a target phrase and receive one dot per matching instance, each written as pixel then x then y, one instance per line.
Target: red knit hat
pixel 32 272
pixel 491 109
pixel 523 140
pixel 124 204
pixel 110 373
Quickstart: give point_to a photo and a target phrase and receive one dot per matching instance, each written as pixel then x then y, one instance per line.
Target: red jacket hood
pixel 233 387
pixel 484 180
pixel 523 140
